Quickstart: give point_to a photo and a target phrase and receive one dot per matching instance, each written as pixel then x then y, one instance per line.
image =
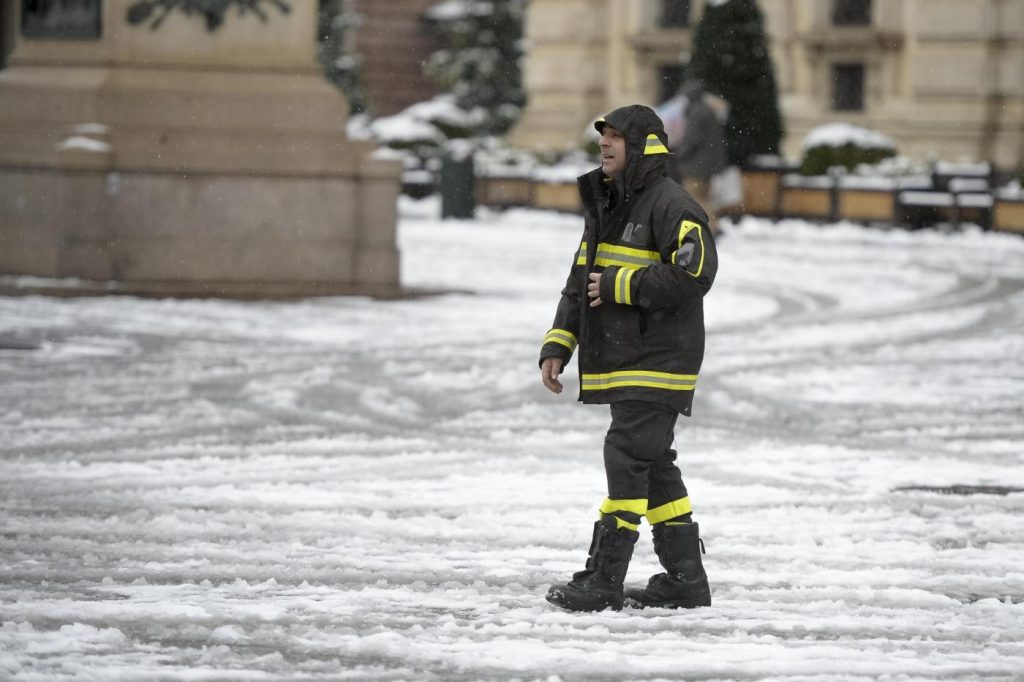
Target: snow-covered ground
pixel 354 489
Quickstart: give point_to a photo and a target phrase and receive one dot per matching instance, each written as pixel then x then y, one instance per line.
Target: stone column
pixel 566 72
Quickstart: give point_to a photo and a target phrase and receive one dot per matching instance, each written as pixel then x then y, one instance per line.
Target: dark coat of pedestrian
pixel 701 153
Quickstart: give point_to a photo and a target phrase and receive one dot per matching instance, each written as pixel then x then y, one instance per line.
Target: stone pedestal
pixel 182 161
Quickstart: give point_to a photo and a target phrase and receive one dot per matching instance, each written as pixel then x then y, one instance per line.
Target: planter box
pixel 806 197
pixel 866 206
pixel 502 192
pixel 563 196
pixel 918 208
pixel 761 192
pixel 976 208
pixel 1008 215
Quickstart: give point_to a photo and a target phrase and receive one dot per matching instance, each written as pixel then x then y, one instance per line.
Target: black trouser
pixel 639 462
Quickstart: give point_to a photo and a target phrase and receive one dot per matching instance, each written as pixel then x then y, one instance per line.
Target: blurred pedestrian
pixel 701 153
pixel 633 304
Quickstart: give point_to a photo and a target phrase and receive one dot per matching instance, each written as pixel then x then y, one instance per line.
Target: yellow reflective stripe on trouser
pixel 638 507
pixel 641 378
pixel 669 511
pixel 619 523
pixel 623 278
pixel 562 337
pixel 685 228
pixel 654 146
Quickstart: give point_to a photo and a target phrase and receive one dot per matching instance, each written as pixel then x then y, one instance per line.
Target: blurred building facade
pixel 943 78
pixel 394 40
pixel 173 155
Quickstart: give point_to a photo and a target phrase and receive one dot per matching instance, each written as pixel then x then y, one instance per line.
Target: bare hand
pixel 594 289
pixel 549 371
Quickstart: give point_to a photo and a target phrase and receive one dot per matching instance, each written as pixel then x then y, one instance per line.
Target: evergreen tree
pixel 481 62
pixel 731 58
pixel 341 64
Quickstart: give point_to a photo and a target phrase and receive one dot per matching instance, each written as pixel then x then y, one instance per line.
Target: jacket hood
pixel 646 143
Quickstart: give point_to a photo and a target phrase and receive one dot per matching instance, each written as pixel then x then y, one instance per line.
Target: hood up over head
pixel 646 143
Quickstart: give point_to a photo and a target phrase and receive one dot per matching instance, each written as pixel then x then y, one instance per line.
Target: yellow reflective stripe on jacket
pixel 636 506
pixel 669 511
pixel 654 146
pixel 622 281
pixel 623 256
pixel 685 228
pixel 561 337
pixel 643 378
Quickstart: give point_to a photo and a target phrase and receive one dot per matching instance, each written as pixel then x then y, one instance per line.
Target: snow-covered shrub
pixel 845 145
pixel 426 125
pixel 480 63
pixel 399 132
pixel 494 158
pixel 444 113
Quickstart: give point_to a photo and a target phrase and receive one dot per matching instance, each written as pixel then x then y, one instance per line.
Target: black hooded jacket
pixel 650 240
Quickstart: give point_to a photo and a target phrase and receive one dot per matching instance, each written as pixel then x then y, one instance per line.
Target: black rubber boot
pixel 599 585
pixel 684 585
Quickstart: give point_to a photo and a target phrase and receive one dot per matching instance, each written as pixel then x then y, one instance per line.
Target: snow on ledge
pixel 82 143
pixel 867 182
pixel 914 198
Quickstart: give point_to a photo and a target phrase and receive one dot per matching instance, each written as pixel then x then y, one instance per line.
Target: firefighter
pixel 633 306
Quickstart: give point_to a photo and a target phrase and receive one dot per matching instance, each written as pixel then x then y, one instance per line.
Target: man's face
pixel 613 151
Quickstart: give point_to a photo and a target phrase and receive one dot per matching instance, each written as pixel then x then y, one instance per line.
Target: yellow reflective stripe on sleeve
pixel 639 378
pixel 654 146
pixel 685 228
pixel 562 337
pixel 669 511
pixel 610 506
pixel 622 282
pixel 581 255
pixel 625 256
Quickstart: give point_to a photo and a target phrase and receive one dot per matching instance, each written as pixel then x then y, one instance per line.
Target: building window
pixel 851 12
pixel 848 87
pixel 670 80
pixel 674 14
pixel 61 19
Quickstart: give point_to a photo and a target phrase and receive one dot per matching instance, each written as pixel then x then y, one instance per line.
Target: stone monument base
pixel 185 181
